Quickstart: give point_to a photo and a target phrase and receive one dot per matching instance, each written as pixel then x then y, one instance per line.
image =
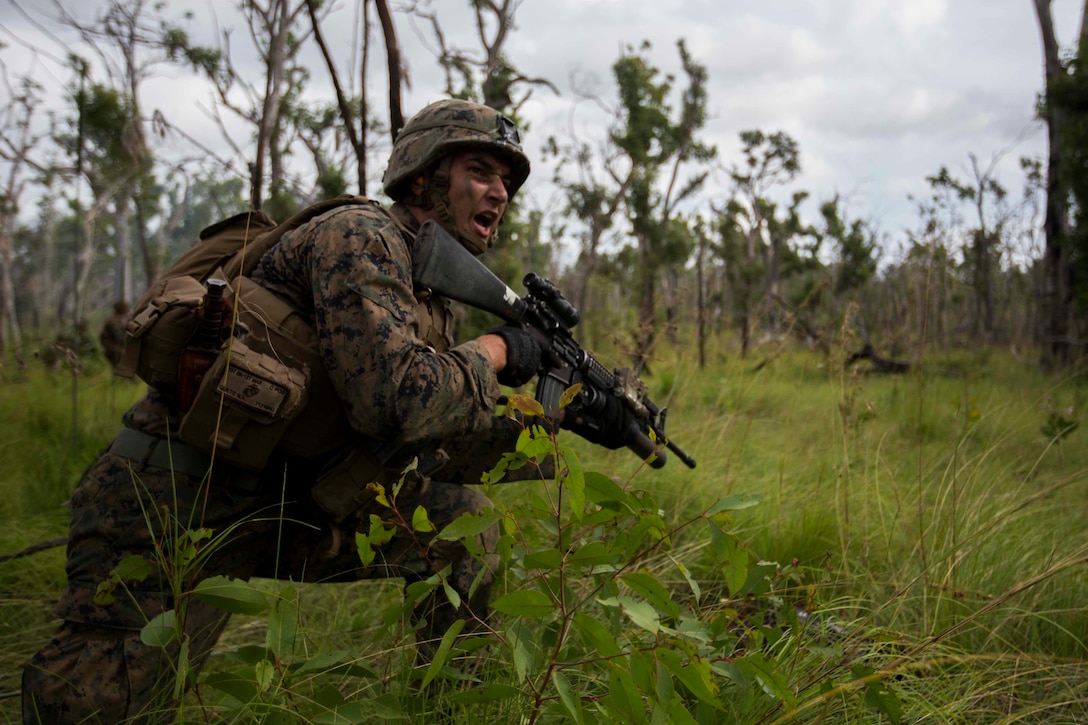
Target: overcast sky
pixel 878 93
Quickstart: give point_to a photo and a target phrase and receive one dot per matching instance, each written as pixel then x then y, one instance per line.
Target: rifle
pixel 443 265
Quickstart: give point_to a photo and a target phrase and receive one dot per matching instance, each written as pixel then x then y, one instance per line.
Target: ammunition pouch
pixel 163 324
pixel 244 406
pixel 267 390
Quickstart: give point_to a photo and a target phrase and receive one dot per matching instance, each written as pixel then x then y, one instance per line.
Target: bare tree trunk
pixel 393 64
pixel 647 321
pixel 279 25
pixel 1056 302
pixel 147 253
pixel 700 300
pixel 122 277
pixel 9 322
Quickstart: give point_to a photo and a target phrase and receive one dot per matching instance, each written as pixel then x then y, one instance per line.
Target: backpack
pixel 267 388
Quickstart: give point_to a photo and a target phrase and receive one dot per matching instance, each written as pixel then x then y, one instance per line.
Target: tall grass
pixel 932 521
pixel 54 424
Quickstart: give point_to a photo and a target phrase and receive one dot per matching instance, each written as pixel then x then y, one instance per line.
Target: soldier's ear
pixel 419 184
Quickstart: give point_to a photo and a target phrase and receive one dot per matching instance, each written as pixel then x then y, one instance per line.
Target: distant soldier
pixel 112 335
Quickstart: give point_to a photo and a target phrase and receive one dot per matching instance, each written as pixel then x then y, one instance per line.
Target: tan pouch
pixel 163 324
pixel 245 404
pixel 322 426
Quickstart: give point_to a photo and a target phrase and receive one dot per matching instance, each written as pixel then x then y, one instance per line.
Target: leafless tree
pixel 17 142
pixel 494 21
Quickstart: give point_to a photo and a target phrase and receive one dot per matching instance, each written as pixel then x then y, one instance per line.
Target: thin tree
pixel 17 142
pixel 1057 292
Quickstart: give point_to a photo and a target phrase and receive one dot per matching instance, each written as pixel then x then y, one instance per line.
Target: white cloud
pixel 914 15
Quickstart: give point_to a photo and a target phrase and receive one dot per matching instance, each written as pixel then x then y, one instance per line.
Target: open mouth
pixel 485 222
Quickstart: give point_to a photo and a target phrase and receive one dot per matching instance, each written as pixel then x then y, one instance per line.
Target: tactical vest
pixel 267 389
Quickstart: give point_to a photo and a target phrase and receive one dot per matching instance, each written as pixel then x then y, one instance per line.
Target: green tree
pixel 654 144
pixel 752 240
pixel 856 247
pixel 982 242
pixel 111 163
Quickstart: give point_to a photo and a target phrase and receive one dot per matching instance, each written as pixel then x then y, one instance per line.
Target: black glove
pixel 522 355
pixel 609 427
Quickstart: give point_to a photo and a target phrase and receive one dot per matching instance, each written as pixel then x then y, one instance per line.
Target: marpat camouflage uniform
pixel 389 353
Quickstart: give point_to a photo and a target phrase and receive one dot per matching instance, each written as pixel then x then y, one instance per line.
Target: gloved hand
pixel 522 355
pixel 609 428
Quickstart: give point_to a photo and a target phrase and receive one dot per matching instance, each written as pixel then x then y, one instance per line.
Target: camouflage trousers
pixel 97 670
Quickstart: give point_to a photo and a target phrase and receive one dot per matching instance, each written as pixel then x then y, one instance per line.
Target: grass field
pixel 934 523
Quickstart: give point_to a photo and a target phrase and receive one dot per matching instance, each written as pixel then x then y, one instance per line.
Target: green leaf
pixel 574 484
pixel 626 698
pixel 451 594
pixel 597 635
pixel 420 522
pixel 536 447
pixel 569 699
pixel 329 697
pixel 651 589
pixel 693 584
pixel 162 630
pixel 184 667
pixel 773 682
pixel 729 551
pixel 877 694
pixel 641 613
pixel 602 490
pixel 525 404
pixel 547 559
pixel 469 525
pixel 524 603
pixel 133 568
pixel 736 502
pixel 593 554
pixel 387 707
pixel 264 673
pixel 242 689
pixel 283 625
pixel 442 655
pixel 363 547
pixel 522 647
pixel 379 494
pixel 568 395
pixel 340 663
pixel 231 595
pixel 694 674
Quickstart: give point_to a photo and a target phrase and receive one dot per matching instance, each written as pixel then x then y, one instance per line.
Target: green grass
pixel 928 515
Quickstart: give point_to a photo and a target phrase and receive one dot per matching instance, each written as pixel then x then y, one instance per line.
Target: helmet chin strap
pixel 437 194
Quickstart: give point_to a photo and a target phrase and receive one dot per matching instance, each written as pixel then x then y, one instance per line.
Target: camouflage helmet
pixel 448 126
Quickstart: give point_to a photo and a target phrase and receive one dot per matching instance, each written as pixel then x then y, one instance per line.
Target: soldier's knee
pixel 80 676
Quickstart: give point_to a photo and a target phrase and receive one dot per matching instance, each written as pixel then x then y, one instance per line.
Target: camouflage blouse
pixel 386 344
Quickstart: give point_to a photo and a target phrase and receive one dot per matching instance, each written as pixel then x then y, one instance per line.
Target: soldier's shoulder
pixel 367 213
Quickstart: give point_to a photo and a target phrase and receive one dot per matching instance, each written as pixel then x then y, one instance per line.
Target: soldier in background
pixel 402 384
pixel 112 335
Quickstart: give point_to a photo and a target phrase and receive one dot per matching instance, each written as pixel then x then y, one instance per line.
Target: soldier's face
pixel 478 196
